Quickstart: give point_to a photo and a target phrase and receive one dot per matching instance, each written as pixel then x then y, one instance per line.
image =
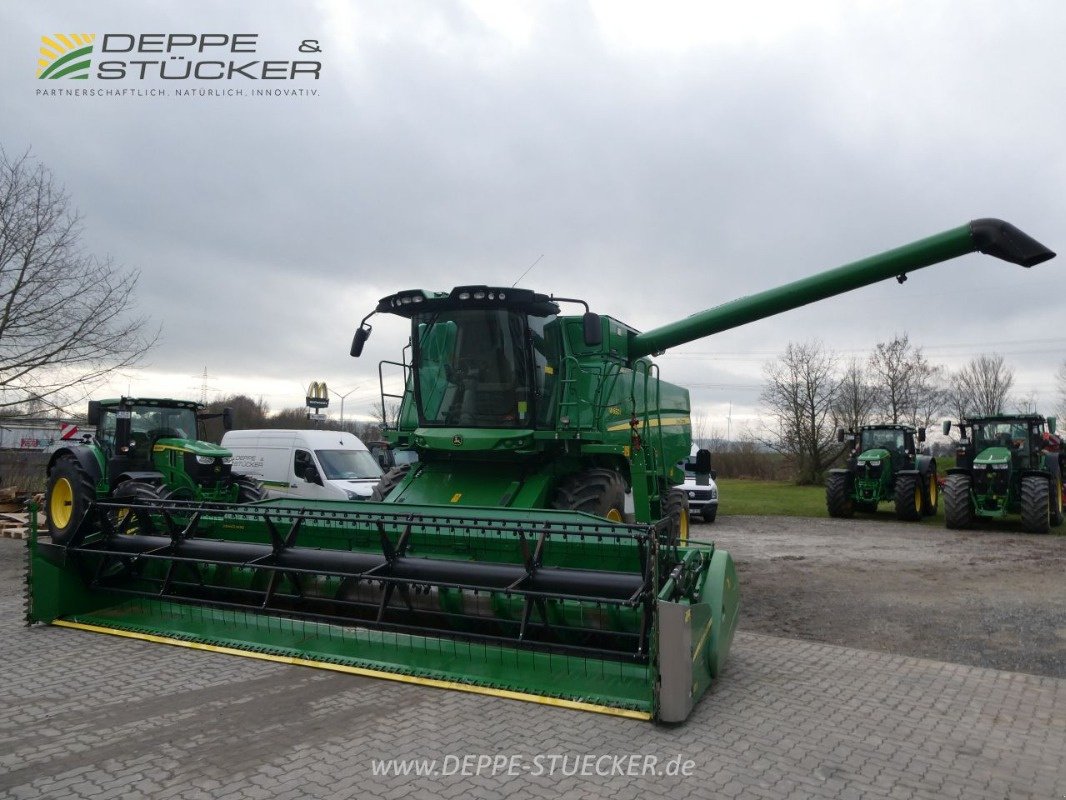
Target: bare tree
pixel 387 416
pixel 856 397
pixel 1060 381
pixel 65 319
pixel 909 388
pixel 800 394
pixel 699 427
pixel 982 386
pixel 1026 404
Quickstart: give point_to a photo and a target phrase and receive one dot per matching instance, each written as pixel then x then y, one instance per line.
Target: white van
pixel 315 465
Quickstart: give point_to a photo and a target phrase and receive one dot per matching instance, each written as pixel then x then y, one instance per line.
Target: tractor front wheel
pixel 958 510
pixel 601 492
pixel 249 490
pixel 135 492
pixel 837 496
pixel 1036 504
pixel 389 481
pixel 908 497
pixel 676 505
pixel 68 494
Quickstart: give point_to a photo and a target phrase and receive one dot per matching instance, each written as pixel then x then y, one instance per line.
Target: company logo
pixel 65 55
pixel 457 440
pixel 317 395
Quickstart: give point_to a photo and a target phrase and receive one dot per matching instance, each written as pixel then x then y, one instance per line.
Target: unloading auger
pixel 538 549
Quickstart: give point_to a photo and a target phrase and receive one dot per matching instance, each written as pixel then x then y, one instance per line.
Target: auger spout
pixel 990 236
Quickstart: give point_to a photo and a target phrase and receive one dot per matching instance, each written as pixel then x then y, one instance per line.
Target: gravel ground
pixel 984 597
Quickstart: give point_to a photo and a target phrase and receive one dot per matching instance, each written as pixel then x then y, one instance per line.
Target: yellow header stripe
pixel 368 673
pixel 654 423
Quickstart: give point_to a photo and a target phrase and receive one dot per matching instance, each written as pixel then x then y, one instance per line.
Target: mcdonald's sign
pixel 317 395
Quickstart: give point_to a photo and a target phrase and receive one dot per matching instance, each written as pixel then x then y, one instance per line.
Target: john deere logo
pixel 457 440
pixel 65 55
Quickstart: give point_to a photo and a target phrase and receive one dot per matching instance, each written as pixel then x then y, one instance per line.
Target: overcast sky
pixel 663 158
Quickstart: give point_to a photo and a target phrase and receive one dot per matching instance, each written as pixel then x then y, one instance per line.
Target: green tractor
pixel 537 549
pixel 1006 464
pixel 884 466
pixel 143 449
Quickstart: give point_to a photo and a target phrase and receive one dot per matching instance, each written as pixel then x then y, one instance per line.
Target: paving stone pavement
pixel 88 715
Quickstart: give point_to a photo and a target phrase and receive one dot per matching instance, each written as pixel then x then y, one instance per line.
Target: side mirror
pixel 945 427
pixel 227 419
pixel 592 329
pixel 1051 424
pixel 94 412
pixel 714 475
pixel 921 435
pixel 361 335
pixel 311 474
pixel 703 461
pixel 840 435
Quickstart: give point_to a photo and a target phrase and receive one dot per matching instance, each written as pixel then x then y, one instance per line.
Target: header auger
pixel 538 549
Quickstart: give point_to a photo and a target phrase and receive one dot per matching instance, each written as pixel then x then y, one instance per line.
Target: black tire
pixel 1036 504
pixel 908 498
pixel 135 492
pixel 930 492
pixel 838 496
pixel 67 497
pixel 601 492
pixel 709 514
pixel 1055 512
pixel 676 503
pixel 249 490
pixel 958 510
pixel 389 481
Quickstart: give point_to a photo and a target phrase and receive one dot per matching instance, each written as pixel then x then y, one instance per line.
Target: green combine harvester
pixel 537 549
pixel 1006 464
pixel 885 465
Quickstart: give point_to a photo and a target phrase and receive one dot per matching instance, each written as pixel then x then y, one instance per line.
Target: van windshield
pixel 348 465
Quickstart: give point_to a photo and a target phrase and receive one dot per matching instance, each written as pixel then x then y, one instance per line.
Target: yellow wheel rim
pixel 933 492
pixel 614 515
pixel 684 526
pixel 1058 497
pixel 918 497
pixel 61 503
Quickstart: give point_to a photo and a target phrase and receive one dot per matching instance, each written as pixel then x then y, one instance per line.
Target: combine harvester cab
pixel 537 549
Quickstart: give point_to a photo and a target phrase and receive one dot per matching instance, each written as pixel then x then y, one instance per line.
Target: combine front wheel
pixel 601 492
pixel 908 498
pixel 837 497
pixel 1036 505
pixel 67 498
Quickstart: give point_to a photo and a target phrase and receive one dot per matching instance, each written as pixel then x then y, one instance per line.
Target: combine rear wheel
pixel 958 510
pixel 67 497
pixel 249 490
pixel 837 497
pixel 930 492
pixel 389 481
pixel 676 502
pixel 601 492
pixel 908 497
pixel 1036 504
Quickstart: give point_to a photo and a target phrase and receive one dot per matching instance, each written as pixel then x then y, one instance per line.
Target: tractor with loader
pixel 143 449
pixel 884 466
pixel 1006 464
pixel 537 549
